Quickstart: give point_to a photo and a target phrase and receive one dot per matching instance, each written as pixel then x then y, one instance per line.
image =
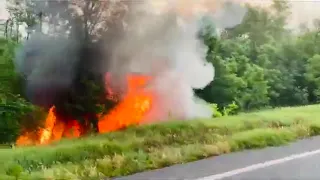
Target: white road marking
pixel 259 166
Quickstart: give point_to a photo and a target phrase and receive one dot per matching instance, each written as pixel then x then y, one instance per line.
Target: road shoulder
pixel 227 162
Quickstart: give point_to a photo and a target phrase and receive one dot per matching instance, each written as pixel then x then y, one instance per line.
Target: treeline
pixel 261 64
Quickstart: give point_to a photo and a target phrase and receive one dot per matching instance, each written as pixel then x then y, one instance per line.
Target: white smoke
pixel 166 45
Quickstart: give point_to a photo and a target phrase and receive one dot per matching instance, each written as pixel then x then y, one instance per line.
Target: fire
pixel 43 135
pixel 130 110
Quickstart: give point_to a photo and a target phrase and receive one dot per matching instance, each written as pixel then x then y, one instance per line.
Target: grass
pixel 154 146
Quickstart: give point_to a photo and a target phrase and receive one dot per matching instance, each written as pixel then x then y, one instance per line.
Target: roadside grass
pixel 154 146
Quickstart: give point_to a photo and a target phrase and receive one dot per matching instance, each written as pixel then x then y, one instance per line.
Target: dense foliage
pixel 15 111
pixel 258 64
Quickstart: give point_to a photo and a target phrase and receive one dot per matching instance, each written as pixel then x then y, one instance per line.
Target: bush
pixel 15 171
pixel 215 110
pixel 230 109
pixel 15 113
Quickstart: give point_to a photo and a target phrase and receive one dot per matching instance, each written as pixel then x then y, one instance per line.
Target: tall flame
pixel 46 133
pixel 42 136
pixel 131 109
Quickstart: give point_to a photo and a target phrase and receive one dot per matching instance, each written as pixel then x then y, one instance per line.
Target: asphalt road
pixel 300 160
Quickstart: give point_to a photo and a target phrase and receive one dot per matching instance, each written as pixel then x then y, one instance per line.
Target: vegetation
pixel 16 113
pixel 259 64
pixel 154 146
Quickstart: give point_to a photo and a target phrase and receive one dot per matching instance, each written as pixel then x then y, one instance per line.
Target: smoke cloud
pixel 48 66
pixel 160 39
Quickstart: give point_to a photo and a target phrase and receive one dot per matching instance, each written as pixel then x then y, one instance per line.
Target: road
pixel 299 160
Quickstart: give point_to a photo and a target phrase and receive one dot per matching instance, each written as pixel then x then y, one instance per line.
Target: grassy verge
pixel 159 145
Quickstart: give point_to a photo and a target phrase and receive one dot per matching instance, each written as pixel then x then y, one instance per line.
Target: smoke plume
pixel 159 38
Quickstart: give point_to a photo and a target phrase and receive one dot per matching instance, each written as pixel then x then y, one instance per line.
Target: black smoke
pixel 65 68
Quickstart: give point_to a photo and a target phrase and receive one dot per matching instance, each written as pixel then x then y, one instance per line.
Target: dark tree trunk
pixel 6 28
pixel 17 31
pixel 11 27
pixel 94 120
pixel 40 21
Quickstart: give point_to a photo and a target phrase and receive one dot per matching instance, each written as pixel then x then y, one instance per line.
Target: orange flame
pixel 43 135
pixel 130 110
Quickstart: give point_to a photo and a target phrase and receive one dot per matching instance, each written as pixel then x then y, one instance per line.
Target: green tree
pixel 16 114
pixel 313 75
pixel 86 96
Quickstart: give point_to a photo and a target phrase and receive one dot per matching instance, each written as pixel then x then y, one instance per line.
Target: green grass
pixel 154 146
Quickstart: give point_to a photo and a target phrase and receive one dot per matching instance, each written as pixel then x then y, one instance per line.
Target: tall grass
pixel 154 146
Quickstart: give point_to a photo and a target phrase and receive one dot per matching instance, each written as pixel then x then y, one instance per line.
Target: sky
pixel 302 10
pixel 3 12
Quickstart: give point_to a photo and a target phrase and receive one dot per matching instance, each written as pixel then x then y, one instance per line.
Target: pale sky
pixel 3 11
pixel 302 10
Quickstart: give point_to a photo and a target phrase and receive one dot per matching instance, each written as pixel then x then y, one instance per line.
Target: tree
pixel 313 74
pixel 88 22
pixel 23 12
pixel 16 114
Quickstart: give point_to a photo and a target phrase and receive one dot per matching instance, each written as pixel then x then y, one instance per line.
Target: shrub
pixel 15 171
pixel 215 110
pixel 230 109
pixel 16 115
